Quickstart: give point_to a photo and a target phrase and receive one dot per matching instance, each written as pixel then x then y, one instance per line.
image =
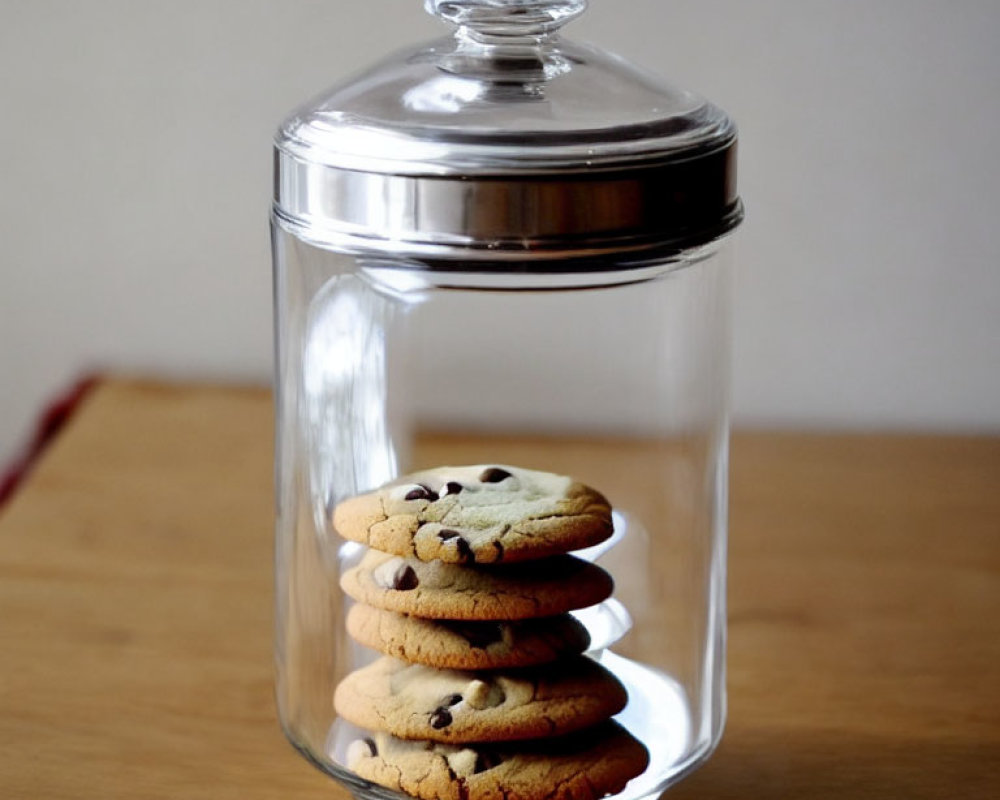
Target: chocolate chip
pixel 452 487
pixel 405 579
pixel 499 548
pixel 494 475
pixel 451 700
pixel 440 718
pixel 462 546
pixel 485 760
pixel 464 550
pixel 372 748
pixel 478 634
pixel 421 493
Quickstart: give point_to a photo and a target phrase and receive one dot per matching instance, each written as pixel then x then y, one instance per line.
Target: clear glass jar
pixel 506 249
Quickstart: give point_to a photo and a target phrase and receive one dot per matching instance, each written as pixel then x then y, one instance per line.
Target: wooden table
pixel 135 613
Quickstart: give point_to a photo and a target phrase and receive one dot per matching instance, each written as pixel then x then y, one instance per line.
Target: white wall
pixel 135 165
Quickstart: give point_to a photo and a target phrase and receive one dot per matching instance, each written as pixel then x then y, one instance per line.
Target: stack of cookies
pixel 483 691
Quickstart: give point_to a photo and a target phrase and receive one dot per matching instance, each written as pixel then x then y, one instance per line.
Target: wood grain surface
pixel 135 611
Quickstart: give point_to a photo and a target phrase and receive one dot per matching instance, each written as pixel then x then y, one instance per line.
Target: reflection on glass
pixel 345 406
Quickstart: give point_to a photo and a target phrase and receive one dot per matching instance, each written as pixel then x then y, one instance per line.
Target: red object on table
pixel 50 422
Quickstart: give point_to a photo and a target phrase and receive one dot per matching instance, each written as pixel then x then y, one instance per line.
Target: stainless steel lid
pixel 508 144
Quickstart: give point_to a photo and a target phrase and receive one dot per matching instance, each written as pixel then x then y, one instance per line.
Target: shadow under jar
pixel 499 259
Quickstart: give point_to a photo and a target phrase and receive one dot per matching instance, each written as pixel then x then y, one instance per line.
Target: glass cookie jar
pixel 502 279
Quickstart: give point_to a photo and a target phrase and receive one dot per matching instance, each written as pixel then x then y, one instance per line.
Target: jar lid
pixel 508 143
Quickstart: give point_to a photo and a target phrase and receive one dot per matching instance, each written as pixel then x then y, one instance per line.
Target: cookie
pixel 583 766
pixel 435 590
pixel 413 701
pixel 470 644
pixel 480 514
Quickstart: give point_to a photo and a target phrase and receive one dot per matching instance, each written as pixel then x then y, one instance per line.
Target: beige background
pixel 134 155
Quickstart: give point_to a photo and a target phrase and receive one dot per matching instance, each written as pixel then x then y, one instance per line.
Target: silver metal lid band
pixel 674 205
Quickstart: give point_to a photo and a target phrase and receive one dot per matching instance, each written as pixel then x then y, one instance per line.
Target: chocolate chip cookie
pixel 583 766
pixel 436 590
pixel 413 701
pixel 469 644
pixel 477 514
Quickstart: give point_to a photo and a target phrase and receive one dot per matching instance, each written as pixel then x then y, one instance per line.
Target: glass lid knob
pixel 485 19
